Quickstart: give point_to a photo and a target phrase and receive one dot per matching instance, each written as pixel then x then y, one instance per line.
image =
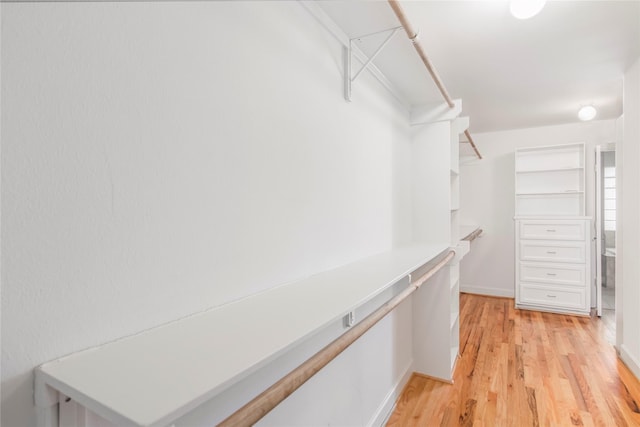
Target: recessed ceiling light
pixel 525 9
pixel 587 112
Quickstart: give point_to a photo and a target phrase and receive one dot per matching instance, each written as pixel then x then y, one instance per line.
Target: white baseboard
pixel 481 290
pixel 629 360
pixel 388 404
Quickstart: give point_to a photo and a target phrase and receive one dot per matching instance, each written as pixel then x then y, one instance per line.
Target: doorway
pixel 605 225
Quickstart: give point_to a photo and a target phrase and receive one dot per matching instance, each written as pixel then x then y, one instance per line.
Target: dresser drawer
pixel 564 297
pixel 560 273
pixel 552 230
pixel 536 250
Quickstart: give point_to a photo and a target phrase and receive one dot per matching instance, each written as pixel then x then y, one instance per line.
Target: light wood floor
pixel 524 368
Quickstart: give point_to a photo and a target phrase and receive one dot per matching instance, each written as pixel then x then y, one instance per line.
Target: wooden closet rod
pixel 474 235
pixel 260 406
pixel 473 145
pixel 413 36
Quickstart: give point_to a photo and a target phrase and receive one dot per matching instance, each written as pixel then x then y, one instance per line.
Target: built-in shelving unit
pixel 550 181
pixel 458 127
pixel 552 233
pixel 436 159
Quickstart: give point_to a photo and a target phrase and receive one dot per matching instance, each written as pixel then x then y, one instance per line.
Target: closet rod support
pixel 369 61
pixel 377 32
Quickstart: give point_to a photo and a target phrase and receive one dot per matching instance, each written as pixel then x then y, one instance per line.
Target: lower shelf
pixel 109 379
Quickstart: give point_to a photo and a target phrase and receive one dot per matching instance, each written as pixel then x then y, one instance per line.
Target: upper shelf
pixel 374 38
pixel 152 378
pixel 550 180
pixel 558 169
pixel 398 61
pixel 550 158
pixel 543 193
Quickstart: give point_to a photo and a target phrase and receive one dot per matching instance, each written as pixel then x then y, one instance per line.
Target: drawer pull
pixel 551 296
pixel 551 252
pixel 551 274
pixel 551 230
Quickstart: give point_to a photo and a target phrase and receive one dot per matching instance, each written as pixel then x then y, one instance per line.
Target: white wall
pixel 487 197
pixel 619 227
pixel 162 158
pixel 628 251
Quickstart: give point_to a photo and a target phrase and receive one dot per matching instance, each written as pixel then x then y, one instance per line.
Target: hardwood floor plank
pixel 489 413
pixel 577 395
pixel 407 401
pixel 546 407
pixel 590 405
pixel 533 406
pixel 524 368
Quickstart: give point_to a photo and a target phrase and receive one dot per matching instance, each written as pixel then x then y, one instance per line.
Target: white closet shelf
pixel 529 216
pixel 558 148
pixel 558 169
pixel 545 193
pixel 154 377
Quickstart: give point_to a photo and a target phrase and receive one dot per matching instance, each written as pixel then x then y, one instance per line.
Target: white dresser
pixel 553 265
pixel 553 239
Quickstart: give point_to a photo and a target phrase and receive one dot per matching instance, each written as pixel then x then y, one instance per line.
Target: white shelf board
pixel 563 217
pixel 545 193
pixel 549 170
pixel 154 377
pixel 545 148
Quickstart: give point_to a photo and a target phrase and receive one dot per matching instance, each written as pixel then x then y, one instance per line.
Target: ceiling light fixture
pixel 525 9
pixel 587 113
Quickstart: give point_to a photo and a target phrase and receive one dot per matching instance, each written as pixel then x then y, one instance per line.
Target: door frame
pixel 598 220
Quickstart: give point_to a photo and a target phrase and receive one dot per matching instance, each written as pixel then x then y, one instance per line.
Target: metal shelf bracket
pixel 348 78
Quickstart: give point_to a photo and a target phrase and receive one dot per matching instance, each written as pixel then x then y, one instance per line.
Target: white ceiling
pixel 509 73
